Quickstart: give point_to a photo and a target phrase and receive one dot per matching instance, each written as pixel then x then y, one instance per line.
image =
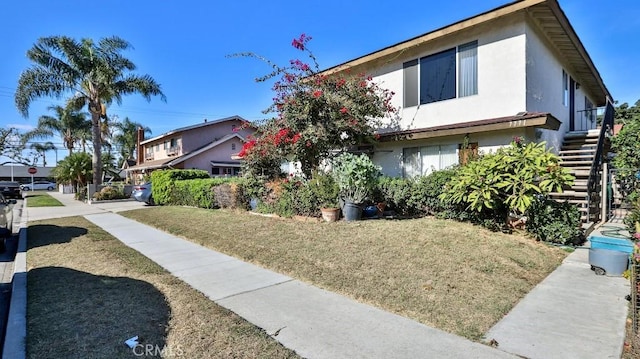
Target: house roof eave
pixel 538 120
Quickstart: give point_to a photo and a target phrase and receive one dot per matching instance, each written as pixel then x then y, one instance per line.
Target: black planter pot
pixel 352 211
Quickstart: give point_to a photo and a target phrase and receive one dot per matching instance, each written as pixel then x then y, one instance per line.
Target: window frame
pixel 412 92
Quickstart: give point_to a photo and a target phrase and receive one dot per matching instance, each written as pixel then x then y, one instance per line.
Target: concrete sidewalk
pixel 573 313
pixel 313 322
pixel 73 207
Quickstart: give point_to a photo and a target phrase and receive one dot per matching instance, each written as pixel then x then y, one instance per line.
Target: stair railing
pixel 592 183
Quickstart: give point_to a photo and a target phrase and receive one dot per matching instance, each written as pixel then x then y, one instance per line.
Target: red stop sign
pixel 32 170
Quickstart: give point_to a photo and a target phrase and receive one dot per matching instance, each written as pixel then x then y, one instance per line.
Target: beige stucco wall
pixel 545 86
pixel 388 155
pixel 501 76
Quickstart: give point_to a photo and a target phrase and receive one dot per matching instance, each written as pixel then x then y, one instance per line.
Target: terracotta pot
pixel 330 214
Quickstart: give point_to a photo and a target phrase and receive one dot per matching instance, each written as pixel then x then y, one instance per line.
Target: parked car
pixel 10 189
pixel 6 220
pixel 142 193
pixel 38 185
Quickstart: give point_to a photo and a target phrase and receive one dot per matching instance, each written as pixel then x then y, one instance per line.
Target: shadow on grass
pixel 46 234
pixel 77 314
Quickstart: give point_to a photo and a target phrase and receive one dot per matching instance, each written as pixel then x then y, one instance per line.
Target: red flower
pixel 299 65
pixel 246 148
pixel 317 93
pixel 341 82
pixel 377 136
pixel 344 110
pixel 300 42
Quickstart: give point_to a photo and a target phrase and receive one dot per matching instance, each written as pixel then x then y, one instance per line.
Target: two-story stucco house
pixel 517 70
pixel 209 146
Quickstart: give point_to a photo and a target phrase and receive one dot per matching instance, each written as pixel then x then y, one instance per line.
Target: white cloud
pixel 23 127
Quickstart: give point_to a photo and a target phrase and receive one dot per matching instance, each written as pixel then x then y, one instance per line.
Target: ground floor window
pixel 225 171
pixel 420 161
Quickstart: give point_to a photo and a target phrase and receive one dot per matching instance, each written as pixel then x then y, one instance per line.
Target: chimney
pixel 140 150
pixel 205 120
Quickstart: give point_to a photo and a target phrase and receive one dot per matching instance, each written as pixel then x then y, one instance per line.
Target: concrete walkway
pixel 572 314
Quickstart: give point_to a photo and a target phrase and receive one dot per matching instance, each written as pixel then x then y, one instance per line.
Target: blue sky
pixel 183 45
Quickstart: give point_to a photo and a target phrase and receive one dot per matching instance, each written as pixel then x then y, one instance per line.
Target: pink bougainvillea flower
pixel 317 93
pixel 300 42
pixel 344 110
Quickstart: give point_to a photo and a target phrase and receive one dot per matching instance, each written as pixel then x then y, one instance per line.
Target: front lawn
pixel 41 200
pixel 88 293
pixel 450 275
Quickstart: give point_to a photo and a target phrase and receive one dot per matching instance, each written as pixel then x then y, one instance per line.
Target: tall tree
pixel 68 123
pixel 127 137
pixel 93 74
pixel 42 149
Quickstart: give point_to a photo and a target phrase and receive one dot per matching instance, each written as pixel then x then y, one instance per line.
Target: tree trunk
pixel 96 161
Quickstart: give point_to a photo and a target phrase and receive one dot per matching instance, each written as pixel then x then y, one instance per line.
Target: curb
pixel 15 339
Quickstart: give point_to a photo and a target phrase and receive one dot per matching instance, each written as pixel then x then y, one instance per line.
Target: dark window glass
pixel 410 91
pixel 438 77
pixel 215 171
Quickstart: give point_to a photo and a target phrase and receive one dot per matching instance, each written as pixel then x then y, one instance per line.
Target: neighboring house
pixel 209 146
pixel 517 70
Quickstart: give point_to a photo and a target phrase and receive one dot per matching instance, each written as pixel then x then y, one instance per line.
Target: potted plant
pixel 326 191
pixel 356 177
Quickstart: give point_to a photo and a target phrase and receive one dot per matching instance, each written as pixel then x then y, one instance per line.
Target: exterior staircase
pixel 582 153
pixel 577 155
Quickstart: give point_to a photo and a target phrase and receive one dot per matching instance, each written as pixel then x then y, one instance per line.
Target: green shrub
pixel 508 180
pixel 426 191
pixel 163 189
pixel 110 193
pixel 551 221
pixel 396 192
pixel 306 199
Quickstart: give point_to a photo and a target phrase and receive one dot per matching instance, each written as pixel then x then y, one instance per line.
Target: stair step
pixel 579 146
pixel 589 150
pixel 576 163
pixel 586 157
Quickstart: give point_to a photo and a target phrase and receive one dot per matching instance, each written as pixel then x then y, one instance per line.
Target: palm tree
pixel 127 137
pixel 94 74
pixel 68 123
pixel 42 149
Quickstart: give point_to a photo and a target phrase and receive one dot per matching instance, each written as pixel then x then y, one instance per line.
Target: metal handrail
pixel 607 126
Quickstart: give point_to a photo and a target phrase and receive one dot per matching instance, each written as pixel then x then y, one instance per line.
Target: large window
pixel 448 74
pixel 418 161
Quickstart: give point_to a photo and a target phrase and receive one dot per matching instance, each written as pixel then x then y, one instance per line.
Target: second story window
pixel 445 75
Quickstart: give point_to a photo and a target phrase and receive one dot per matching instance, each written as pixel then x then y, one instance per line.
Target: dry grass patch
pixel 453 276
pixel 88 293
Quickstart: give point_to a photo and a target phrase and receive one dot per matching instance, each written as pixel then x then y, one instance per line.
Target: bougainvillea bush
pixel 315 114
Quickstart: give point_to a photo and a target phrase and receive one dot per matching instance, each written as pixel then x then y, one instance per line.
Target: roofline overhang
pixel 493 14
pixel 393 51
pixel 545 121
